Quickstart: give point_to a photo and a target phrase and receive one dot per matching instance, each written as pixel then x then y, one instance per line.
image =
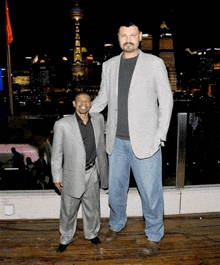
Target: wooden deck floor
pixel 193 240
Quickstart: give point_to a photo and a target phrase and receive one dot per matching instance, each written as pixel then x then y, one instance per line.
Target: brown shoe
pixel 151 247
pixel 110 236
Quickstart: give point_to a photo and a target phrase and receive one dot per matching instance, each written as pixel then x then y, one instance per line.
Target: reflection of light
pixel 188 50
pixel 21 80
pixel 65 59
pixel 90 57
pixel 146 35
pixel 217 66
pixel 108 45
pixel 35 60
pixel 165 34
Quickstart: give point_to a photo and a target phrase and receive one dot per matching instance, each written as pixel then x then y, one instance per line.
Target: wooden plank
pixel 189 239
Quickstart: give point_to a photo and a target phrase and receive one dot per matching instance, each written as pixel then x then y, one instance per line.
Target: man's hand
pixel 59 185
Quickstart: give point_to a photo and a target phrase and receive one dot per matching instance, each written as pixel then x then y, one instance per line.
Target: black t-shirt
pixel 126 70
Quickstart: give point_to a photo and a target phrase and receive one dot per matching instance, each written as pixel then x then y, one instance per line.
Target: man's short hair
pixel 129 23
pixel 81 93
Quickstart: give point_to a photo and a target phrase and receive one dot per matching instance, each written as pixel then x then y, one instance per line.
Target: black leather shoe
pixel 95 241
pixel 62 247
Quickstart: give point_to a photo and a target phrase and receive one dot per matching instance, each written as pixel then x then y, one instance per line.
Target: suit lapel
pixel 77 134
pixel 76 131
pixel 137 69
pixel 115 74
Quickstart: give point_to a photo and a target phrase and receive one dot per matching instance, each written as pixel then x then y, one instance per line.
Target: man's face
pixel 82 103
pixel 129 38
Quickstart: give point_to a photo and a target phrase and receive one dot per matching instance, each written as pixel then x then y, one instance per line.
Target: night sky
pixel 44 27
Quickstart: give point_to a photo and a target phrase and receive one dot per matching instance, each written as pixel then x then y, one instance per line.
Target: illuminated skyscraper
pixel 77 65
pixel 108 51
pixel 147 43
pixel 166 52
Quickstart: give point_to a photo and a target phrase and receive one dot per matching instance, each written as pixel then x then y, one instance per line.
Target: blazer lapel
pixel 137 69
pixel 115 74
pixel 76 131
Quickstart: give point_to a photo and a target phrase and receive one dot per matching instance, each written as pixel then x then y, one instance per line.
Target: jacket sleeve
pixel 103 164
pixel 57 153
pixel 101 101
pixel 165 99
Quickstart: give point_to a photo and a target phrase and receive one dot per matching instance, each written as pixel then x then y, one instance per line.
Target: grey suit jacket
pixel 150 103
pixel 69 157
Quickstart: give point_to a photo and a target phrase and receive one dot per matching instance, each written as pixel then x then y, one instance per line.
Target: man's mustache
pixel 128 43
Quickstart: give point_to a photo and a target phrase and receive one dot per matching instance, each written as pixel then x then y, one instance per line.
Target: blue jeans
pixel 148 176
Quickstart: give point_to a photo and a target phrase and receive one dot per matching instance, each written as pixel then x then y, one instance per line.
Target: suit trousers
pixel 90 201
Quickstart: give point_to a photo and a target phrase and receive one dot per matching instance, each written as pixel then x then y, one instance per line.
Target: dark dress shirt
pixel 88 137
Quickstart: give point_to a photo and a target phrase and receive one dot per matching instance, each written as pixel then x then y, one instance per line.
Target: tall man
pixel 136 88
pixel 78 157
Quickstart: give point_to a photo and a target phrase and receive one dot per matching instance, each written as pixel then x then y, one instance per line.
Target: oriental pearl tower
pixel 77 65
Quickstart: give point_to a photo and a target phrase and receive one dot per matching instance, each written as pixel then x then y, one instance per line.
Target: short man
pixel 78 158
pixel 136 88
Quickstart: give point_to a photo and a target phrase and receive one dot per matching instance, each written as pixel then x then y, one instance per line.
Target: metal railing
pixel 191 155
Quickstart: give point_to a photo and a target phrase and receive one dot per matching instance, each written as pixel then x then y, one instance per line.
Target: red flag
pixel 9 36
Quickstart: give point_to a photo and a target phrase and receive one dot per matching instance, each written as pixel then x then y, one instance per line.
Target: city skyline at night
pixel 46 27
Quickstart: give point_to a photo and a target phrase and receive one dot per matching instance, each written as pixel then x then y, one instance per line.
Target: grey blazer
pixel 69 157
pixel 150 103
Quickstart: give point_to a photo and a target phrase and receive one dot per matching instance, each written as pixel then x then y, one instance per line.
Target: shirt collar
pixel 80 120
